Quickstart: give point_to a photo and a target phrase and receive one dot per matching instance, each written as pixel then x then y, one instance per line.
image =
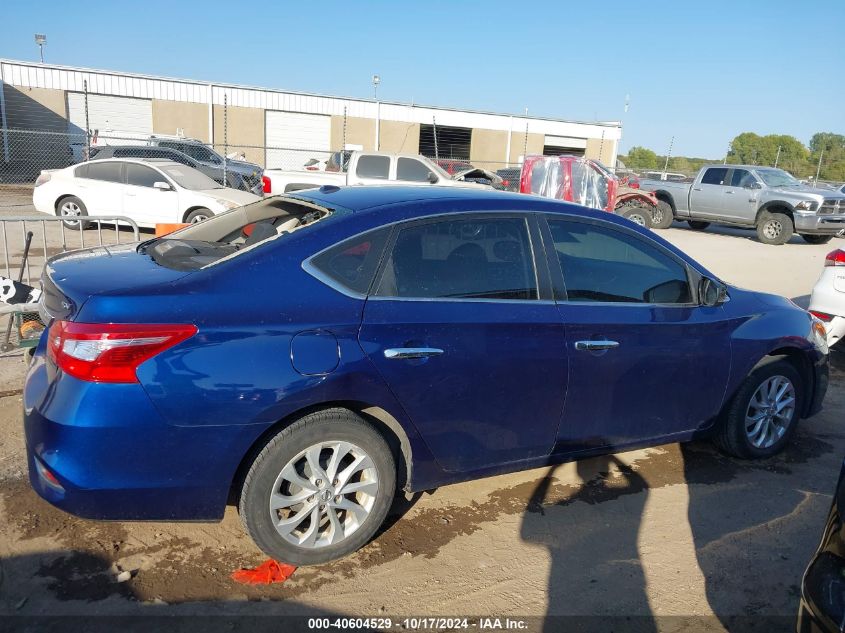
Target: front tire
pixel 763 414
pixel 637 213
pixel 697 225
pixel 72 208
pixel 774 228
pixel 662 215
pixel 319 489
pixel 816 239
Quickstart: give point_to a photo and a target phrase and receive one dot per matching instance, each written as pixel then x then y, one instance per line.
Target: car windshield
pixel 189 178
pixel 777 178
pixel 227 234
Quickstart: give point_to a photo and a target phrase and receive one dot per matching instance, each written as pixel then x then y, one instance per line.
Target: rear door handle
pixel 406 353
pixel 696 188
pixel 729 192
pixel 594 346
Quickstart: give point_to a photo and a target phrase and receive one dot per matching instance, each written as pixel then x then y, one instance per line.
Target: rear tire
pixel 748 430
pixel 662 215
pixel 314 520
pixel 72 207
pixel 636 213
pixel 774 228
pixel 697 225
pixel 817 239
pixel 198 215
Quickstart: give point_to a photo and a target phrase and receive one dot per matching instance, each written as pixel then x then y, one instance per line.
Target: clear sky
pixel 702 71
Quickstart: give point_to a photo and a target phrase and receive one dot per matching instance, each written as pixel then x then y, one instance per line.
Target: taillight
pixel 42 178
pixel 835 258
pixel 823 316
pixel 265 181
pixel 110 352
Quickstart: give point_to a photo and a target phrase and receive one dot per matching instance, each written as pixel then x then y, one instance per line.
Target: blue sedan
pixel 308 355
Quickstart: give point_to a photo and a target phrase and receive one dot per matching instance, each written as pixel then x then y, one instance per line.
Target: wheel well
pixel 802 365
pixel 381 420
pixel 774 208
pixel 60 199
pixel 665 197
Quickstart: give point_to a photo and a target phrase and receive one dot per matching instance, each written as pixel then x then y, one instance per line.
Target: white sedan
pixel 828 299
pixel 149 191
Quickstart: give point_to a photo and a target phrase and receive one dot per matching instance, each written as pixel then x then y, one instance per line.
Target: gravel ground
pixel 669 531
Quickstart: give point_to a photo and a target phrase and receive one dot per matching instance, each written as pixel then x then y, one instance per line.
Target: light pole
pixel 376 82
pixel 41 40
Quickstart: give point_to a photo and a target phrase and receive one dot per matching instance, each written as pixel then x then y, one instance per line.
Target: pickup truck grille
pixel 832 206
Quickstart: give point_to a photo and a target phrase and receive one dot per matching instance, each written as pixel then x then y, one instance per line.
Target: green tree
pixel 640 158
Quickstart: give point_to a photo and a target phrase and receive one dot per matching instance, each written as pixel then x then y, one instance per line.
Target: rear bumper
pixel 108 454
pixel 819 224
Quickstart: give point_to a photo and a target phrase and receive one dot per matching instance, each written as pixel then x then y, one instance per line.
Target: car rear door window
pixel 411 170
pixel 602 264
pixel 107 171
pixel 351 264
pixel 715 176
pixel 483 258
pixel 142 176
pixel 373 167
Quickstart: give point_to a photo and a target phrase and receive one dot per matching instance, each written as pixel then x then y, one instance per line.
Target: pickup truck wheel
pixel 637 213
pixel 774 228
pixel 763 413
pixel 661 215
pixel 817 239
pixel 697 225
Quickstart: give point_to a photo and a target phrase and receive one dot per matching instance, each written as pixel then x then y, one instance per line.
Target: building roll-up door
pixel 110 116
pixel 557 145
pixel 293 138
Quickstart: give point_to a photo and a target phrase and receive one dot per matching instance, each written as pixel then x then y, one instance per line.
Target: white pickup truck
pixel 368 168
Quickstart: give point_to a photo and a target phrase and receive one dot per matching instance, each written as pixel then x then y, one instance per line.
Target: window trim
pixel 694 276
pixel 543 290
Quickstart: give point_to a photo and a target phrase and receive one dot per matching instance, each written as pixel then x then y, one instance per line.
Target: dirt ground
pixel 668 531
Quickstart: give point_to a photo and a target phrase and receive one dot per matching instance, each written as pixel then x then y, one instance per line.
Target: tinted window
pixel 81 171
pixel 353 263
pixel 105 171
pixel 468 258
pixel 142 176
pixel 413 170
pixel 742 178
pixel 373 166
pixel 715 176
pixel 196 151
pixel 602 264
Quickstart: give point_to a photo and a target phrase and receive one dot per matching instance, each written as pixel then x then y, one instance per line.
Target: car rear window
pixel 106 171
pixel 228 234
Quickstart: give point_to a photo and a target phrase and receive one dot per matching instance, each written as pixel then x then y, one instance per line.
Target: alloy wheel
pixel 324 494
pixel 770 411
pixel 772 229
pixel 198 218
pixel 70 210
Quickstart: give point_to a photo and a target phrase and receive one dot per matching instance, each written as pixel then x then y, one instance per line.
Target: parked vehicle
pixel 828 299
pixel 368 168
pixel 765 198
pixel 453 166
pixel 147 190
pixel 510 177
pixel 665 175
pixel 233 179
pixel 384 338
pixel 586 182
pixel 250 173
pixel 822 606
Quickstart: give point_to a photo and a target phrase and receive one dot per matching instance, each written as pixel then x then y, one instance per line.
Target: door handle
pixel 595 346
pixel 131 194
pixel 406 353
pixel 696 188
pixel 729 192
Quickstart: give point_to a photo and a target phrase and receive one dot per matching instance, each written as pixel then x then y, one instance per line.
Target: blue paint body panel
pixel 509 391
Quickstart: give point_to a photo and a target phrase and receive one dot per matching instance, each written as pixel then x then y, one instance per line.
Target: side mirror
pixel 712 293
pixel 754 185
pixel 162 186
pixel 432 178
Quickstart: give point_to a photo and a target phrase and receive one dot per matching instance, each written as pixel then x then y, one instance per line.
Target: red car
pixel 586 182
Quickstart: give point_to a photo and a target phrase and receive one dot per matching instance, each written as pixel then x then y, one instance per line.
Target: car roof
pixel 156 162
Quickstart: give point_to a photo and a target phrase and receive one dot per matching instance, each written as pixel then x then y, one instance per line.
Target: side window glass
pixel 373 167
pixel 411 170
pixel 715 176
pixel 605 265
pixel 81 171
pixel 107 171
pixel 142 176
pixel 353 262
pixel 742 178
pixel 463 258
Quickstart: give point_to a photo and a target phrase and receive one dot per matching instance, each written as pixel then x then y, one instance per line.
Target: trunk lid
pixel 70 279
